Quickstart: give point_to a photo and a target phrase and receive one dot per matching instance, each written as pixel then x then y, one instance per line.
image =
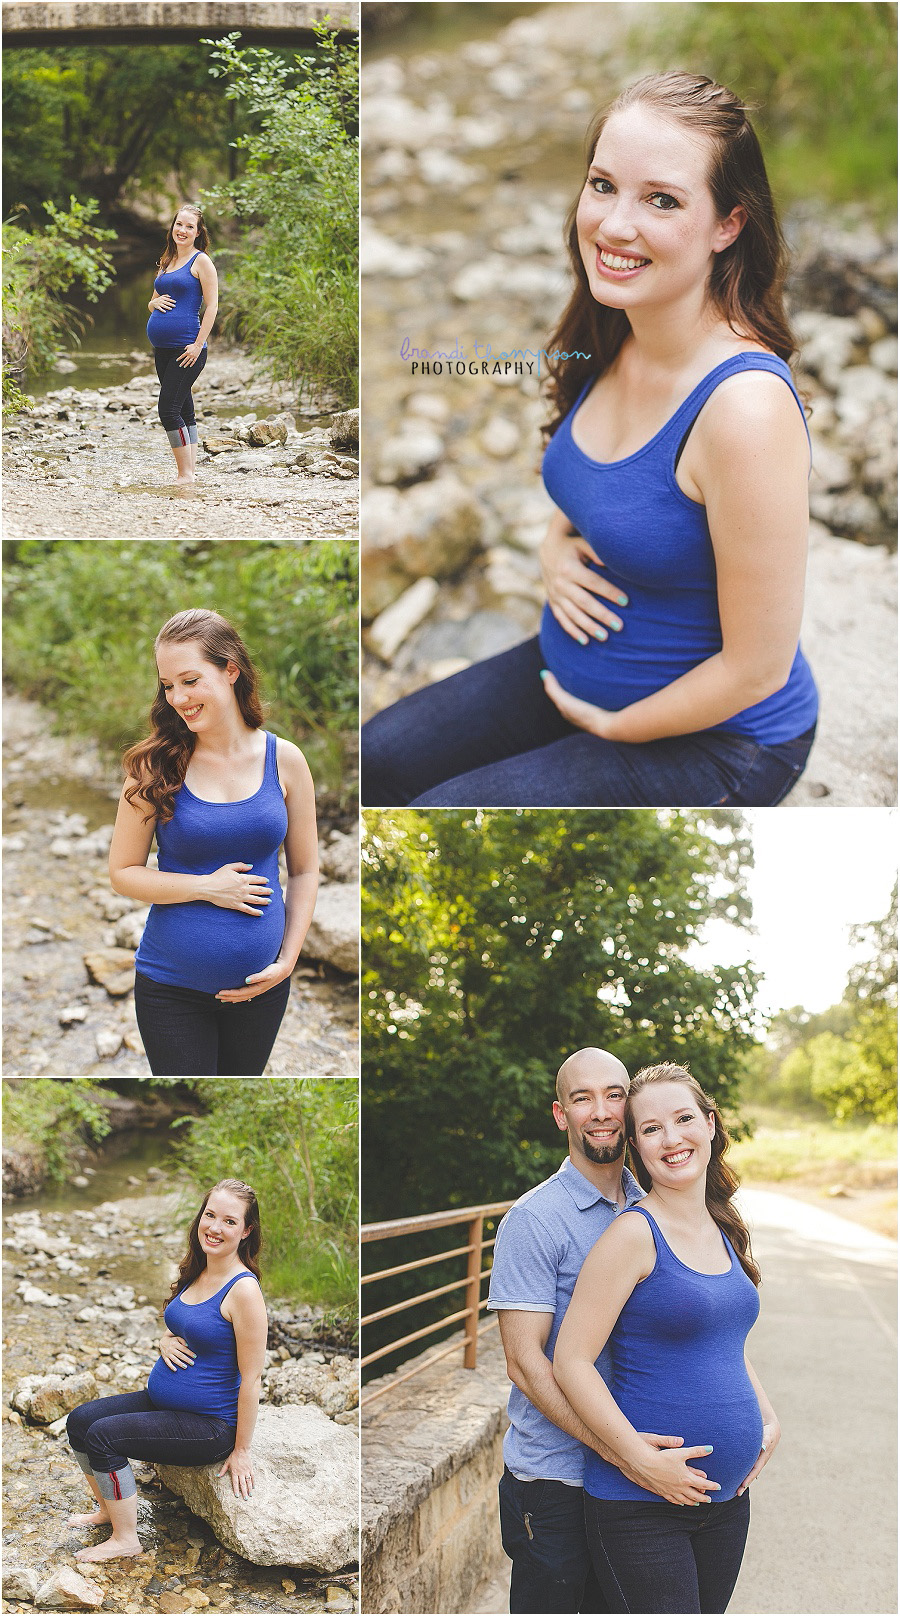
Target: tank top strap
pixel 270 773
pixel 245 1274
pixel 679 426
pixel 658 1236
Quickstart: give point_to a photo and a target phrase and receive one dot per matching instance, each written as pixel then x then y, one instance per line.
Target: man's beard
pixel 603 1155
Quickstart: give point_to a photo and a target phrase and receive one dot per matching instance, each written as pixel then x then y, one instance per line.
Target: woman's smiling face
pixel 186 228
pixel 199 690
pixel 222 1227
pixel 646 221
pixel 673 1134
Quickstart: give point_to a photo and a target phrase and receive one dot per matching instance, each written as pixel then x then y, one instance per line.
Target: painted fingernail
pixel 615 623
pixel 545 672
pixel 582 639
pixel 601 634
pixel 707 1450
pixel 622 600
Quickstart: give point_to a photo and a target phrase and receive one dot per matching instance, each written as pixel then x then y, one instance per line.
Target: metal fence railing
pixel 470 1285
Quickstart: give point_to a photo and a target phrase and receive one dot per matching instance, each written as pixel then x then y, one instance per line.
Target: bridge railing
pixel 468 1315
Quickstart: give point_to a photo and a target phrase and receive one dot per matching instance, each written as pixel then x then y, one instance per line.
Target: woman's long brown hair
pixel 159 764
pixel 194 1261
pixel 170 251
pixel 746 283
pixel 721 1180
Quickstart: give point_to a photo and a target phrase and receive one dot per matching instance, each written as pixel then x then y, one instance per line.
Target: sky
pixel 818 871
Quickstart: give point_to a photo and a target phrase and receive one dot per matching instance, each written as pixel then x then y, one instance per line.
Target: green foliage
pixel 822 76
pixel 53 1115
pixel 111 121
pixel 83 617
pixel 495 944
pixel 39 268
pixel 843 1060
pixel 296 1141
pixel 291 288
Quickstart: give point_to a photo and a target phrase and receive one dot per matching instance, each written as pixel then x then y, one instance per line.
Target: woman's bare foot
pixel 180 481
pixel 99 1518
pixel 113 1549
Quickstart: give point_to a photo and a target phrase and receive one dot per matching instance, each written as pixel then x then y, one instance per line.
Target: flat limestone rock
pixel 304 1508
pixel 113 968
pixel 66 1590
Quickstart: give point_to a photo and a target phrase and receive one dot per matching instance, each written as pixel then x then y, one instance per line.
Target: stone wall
pixel 431 1462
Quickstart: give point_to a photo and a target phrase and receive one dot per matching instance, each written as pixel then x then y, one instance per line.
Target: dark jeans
pixel 176 406
pixel 490 737
pixel 667 1557
pixel 191 1034
pixel 111 1430
pixel 543 1533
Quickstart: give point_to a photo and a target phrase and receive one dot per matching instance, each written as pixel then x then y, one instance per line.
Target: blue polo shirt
pixel 540 1249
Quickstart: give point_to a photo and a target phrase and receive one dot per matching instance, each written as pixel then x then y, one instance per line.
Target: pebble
pixel 71 1013
pixel 396 623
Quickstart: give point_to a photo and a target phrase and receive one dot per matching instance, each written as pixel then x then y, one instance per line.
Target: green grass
pixel 790 1147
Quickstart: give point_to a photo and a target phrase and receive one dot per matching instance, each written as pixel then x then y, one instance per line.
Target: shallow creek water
pixel 137 1226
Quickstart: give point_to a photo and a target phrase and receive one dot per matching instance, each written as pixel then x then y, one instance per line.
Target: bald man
pixel 541 1245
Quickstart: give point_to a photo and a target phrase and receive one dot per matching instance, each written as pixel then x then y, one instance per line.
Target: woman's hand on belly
pixel 583 714
pixel 175 1352
pixel 575 594
pixel 260 982
pixel 230 888
pixel 770 1439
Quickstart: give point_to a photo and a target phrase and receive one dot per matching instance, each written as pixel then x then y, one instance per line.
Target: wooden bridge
pixel 39 23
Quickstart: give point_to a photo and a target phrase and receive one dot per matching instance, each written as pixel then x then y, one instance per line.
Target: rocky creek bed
pixel 95 462
pixel 70 940
pixel 82 1293
pixel 472 155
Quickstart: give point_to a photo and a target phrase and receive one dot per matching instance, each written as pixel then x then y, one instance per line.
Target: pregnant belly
pixel 651 651
pixel 197 945
pixel 733 1429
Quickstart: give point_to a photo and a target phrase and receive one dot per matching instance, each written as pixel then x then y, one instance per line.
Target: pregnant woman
pixel 186 278
pixel 668 670
pixel 221 795
pixel 672 1287
pixel 202 1396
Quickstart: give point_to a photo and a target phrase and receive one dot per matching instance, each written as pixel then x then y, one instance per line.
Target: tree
pixel 292 284
pixel 494 944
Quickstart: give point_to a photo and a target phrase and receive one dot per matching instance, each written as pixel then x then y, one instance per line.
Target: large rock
pixel 66 1590
pixel 333 936
pixel 429 531
pixel 24 1171
pixel 334 1388
pixel 340 860
pixel 344 430
pixel 113 968
pixel 263 432
pixel 304 1511
pixel 45 1398
pixel 20 1583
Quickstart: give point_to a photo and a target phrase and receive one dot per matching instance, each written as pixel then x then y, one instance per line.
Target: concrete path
pixel 823 1538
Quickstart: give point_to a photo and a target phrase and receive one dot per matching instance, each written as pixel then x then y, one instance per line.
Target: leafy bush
pixel 54 1116
pixel 80 617
pixel 295 1140
pixel 291 287
pixel 39 268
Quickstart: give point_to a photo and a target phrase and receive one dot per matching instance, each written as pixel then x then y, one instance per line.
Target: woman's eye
pixel 601 186
pixel 663 201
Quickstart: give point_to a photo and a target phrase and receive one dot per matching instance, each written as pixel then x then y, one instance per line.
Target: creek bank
pixel 116 1261
pixel 95 462
pixel 465 151
pixel 70 940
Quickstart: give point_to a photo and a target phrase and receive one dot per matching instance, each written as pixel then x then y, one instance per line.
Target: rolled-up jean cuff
pixel 84 1461
pixel 192 433
pixel 116 1483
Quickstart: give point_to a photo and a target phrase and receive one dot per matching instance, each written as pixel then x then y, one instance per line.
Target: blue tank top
pixel 211 1384
pixel 175 328
pixel 678 1369
pixel 656 546
pixel 198 945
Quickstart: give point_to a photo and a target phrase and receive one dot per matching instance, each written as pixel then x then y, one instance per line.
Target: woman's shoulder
pixel 201 261
pixel 292 765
